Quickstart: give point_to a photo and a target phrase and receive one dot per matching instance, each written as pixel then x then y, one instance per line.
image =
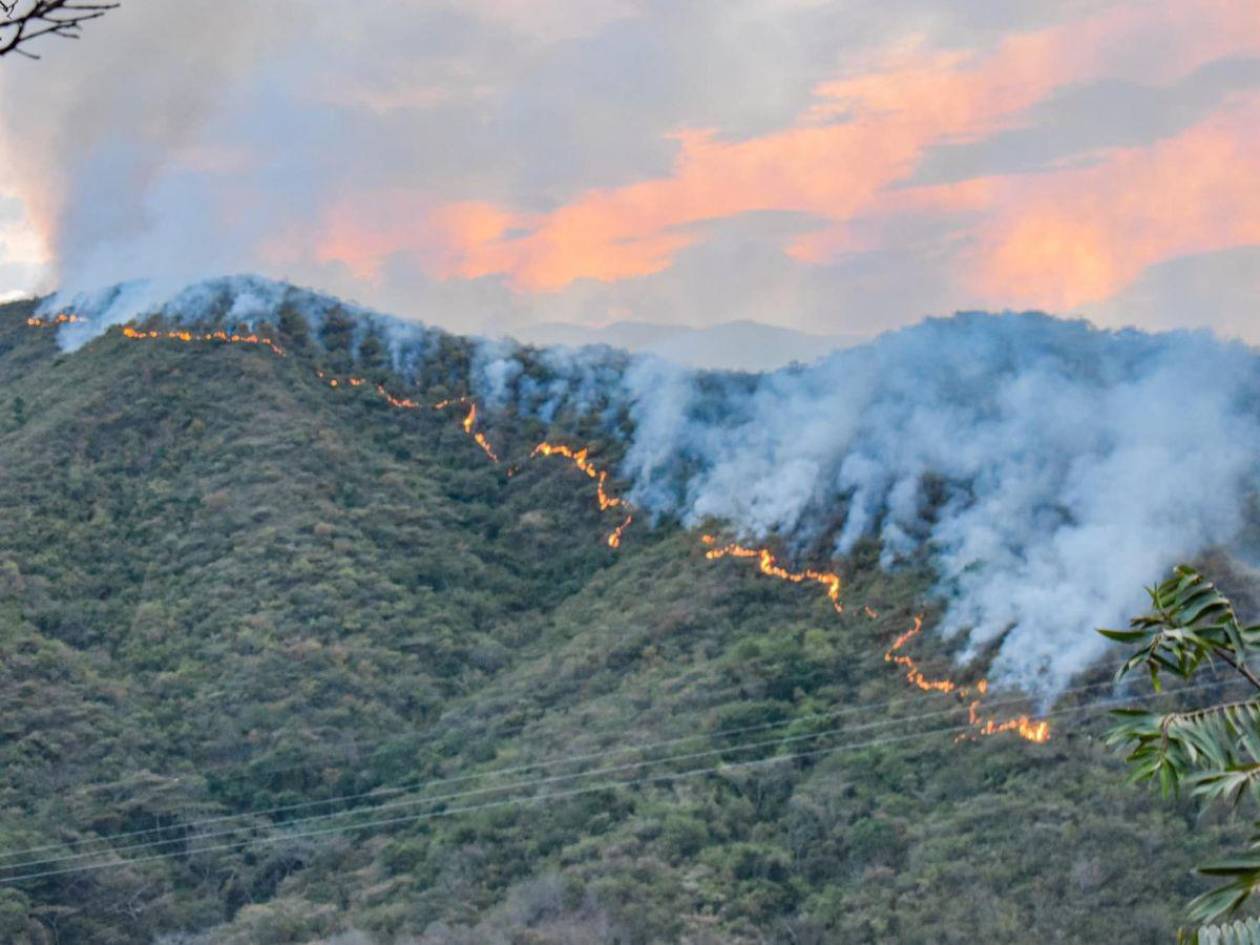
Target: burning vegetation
pixel 234 338
pixel 61 318
pixel 581 460
pixel 768 566
pixel 1024 726
pixel 1029 729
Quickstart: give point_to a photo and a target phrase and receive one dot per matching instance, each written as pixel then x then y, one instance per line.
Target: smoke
pixel 1049 469
pixel 233 301
pixel 495 366
pixel 1046 468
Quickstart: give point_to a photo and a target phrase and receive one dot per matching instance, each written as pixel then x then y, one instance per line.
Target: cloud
pixel 1078 122
pixel 837 159
pixel 1170 294
pixel 529 161
pixel 1079 236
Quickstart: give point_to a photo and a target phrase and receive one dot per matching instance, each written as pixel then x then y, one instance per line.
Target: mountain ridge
pixel 229 588
pixel 741 345
pixel 1006 448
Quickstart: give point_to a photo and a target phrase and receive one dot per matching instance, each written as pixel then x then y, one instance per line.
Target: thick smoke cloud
pixel 1047 469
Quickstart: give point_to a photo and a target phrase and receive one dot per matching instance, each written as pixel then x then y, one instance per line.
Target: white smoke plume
pixel 1048 469
pixel 247 300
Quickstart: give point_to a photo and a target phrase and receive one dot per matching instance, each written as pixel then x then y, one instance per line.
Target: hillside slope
pixel 278 662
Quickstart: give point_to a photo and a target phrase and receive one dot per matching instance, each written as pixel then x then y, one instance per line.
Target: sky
pixel 837 168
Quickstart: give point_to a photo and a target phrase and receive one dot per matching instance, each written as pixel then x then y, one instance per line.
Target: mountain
pixel 737 345
pixel 284 660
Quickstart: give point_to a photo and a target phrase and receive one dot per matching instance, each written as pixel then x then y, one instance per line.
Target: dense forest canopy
pixel 280 663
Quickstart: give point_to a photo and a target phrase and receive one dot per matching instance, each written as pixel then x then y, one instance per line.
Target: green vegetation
pixel 1215 750
pixel 226 588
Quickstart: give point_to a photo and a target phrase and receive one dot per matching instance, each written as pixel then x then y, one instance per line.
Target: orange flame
pixel 219 335
pixel 768 565
pixel 581 459
pixel 469 424
pixel 1023 726
pixel 443 404
pixel 401 403
pixel 61 318
pixel 914 675
pixel 352 381
pixel 1032 730
pixel 614 539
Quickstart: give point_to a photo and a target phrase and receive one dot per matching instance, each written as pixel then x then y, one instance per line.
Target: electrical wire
pixel 868 708
pixel 1088 709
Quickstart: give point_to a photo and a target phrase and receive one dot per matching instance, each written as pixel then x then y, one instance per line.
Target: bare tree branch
pixel 24 20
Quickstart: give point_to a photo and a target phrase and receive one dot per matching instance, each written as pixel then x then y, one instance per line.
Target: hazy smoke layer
pixel 233 300
pixel 1049 469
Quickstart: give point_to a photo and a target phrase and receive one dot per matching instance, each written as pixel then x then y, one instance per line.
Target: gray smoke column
pixel 1050 469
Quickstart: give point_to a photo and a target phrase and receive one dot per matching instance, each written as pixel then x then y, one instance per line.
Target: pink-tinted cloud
pixel 865 132
pixel 361 235
pixel 1078 236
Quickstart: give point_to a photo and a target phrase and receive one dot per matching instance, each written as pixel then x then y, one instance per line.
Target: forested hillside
pixel 280 663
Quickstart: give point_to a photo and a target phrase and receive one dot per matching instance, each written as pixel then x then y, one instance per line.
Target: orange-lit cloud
pixel 25 243
pixel 1078 236
pixel 362 235
pixel 865 132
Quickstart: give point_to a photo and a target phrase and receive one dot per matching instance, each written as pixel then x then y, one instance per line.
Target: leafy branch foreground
pixel 1215 751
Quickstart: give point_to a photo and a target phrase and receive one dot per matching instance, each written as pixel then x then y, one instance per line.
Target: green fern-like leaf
pixel 1216 749
pixel 1243 874
pixel 1191 622
pixel 1242 932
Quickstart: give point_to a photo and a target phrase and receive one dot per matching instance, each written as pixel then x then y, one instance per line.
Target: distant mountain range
pixel 737 345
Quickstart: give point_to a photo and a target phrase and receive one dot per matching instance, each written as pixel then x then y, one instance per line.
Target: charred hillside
pixel 281 659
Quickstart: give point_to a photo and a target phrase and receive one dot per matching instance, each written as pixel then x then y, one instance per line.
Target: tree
pixel 1212 751
pixel 22 21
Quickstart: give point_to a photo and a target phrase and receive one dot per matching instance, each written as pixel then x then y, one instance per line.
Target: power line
pixel 537 783
pixel 404 788
pixel 428 739
pixel 553 795
pixel 187 826
pixel 435 736
pixel 533 782
pixel 379 791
